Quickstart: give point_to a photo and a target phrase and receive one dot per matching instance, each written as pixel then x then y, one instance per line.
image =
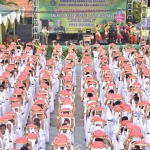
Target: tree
pixel 29 1
pixel 136 12
pixel 4 2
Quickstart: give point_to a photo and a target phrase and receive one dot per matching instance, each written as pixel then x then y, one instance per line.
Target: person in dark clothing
pixel 59 27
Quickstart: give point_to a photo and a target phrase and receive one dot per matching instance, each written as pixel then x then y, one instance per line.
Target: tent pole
pixel 0 33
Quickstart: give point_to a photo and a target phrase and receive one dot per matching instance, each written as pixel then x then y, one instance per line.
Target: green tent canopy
pixel 5 9
pixel 8 15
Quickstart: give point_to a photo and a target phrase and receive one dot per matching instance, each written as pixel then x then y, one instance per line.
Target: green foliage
pixel 29 1
pixel 49 52
pixel 79 54
pixel 121 47
pixel 137 49
pixel 105 47
pixel 136 12
pixel 12 3
pixel 8 3
pixel 3 2
pixel 65 53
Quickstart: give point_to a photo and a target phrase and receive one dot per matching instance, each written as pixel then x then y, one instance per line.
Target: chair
pixel 87 38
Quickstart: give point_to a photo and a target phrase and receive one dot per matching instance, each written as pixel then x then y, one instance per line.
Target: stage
pixel 62 42
pixel 75 38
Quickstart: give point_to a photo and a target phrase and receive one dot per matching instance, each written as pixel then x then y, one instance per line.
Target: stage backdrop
pixel 70 16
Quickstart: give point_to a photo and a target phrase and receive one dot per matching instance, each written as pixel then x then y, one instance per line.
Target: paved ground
pixel 79 130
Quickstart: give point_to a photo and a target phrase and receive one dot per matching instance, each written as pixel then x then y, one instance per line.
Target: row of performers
pixel 132 35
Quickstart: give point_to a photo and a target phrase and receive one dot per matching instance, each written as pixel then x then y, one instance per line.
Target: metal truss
pixel 129 9
pixel 144 11
pixel 35 20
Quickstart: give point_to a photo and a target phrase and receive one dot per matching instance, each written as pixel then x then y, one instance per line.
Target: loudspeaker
pixel 26 39
pixel 29 20
pixel 24 27
pixel 103 42
pixel 130 20
pixel 24 33
pixel 45 23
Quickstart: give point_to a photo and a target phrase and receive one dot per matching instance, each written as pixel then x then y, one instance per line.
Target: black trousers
pixel 126 37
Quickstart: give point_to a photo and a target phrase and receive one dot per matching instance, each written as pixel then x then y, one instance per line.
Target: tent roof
pixel 143 23
pixel 5 9
pixel 27 6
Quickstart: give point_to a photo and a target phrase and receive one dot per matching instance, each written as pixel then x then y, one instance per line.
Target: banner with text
pixel 73 16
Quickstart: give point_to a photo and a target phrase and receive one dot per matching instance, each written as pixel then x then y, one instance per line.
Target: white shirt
pixel 5 140
pixel 2 96
pixel 43 61
pixel 109 115
pixel 1 141
pixel 1 70
pixel 21 67
pixel 146 127
pixel 12 81
pixel 68 133
pixel 95 53
pixel 120 141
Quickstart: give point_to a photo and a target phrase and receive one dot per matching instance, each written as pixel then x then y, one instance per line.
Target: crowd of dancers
pixel 116 102
pixel 66 105
pixel 117 33
pixel 28 88
pixel 115 92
